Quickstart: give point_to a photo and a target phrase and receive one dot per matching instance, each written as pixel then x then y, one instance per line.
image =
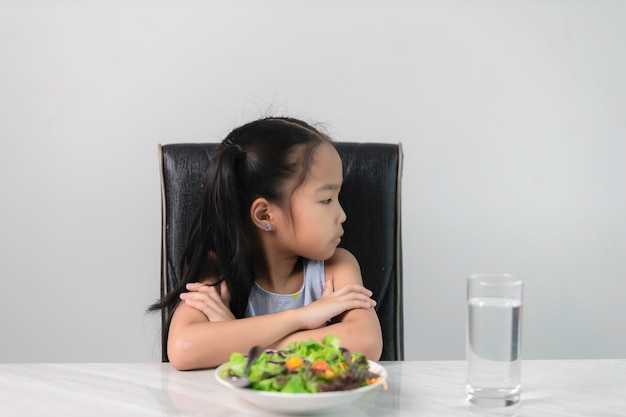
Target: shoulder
pixel 344 267
pixel 185 315
pixel 342 256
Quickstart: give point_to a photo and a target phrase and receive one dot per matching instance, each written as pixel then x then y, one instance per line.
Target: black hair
pixel 254 160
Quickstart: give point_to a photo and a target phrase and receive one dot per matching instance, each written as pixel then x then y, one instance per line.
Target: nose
pixel 342 214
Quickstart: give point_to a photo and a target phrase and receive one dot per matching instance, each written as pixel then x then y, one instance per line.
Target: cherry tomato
pixel 294 363
pixel 320 366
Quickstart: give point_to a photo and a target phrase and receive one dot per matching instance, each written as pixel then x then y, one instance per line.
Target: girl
pixel 262 266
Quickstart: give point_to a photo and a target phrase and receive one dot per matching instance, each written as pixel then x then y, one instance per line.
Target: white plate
pixel 303 403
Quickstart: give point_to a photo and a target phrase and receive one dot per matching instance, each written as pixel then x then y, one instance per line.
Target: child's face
pixel 317 215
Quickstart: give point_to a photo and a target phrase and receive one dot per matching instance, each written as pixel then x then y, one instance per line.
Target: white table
pixel 432 388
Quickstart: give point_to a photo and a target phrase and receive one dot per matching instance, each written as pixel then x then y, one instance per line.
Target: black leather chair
pixel 370 196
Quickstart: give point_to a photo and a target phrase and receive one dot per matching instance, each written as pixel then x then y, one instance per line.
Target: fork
pixel 243 381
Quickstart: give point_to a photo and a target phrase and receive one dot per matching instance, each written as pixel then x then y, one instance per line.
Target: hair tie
pixel 234 148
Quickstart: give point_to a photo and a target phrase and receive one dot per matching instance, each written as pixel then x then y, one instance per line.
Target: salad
pixel 304 367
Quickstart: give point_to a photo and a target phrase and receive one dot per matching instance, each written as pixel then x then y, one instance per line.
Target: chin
pixel 330 255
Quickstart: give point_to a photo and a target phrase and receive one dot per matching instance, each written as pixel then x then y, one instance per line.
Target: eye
pixel 327 201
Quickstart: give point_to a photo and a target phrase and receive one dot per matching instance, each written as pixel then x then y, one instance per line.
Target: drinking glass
pixel 494 335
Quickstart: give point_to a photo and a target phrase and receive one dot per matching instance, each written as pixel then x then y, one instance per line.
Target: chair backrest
pixel 370 196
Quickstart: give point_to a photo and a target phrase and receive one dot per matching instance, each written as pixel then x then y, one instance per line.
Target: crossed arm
pixel 203 332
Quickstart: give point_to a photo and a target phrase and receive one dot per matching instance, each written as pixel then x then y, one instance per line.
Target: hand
pixel 334 303
pixel 213 301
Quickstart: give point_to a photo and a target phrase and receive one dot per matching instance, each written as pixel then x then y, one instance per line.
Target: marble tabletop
pixel 415 388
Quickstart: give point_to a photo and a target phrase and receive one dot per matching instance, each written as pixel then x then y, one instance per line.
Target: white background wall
pixel 511 115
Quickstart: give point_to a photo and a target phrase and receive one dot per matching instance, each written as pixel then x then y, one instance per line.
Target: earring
pixel 267 227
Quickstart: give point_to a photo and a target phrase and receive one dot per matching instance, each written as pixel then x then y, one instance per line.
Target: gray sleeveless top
pixel 264 302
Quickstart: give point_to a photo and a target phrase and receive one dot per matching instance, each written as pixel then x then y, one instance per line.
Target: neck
pixel 280 276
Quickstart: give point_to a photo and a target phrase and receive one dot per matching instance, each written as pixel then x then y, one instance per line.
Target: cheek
pixel 309 225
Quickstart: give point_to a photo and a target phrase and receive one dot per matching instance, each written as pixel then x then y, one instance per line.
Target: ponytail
pixel 225 224
pixel 216 245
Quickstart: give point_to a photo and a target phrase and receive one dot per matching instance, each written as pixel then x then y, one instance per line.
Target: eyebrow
pixel 331 187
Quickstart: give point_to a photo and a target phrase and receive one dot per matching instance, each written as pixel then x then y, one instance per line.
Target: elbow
pixel 181 356
pixel 373 344
pixel 367 343
pixel 180 364
pixel 374 349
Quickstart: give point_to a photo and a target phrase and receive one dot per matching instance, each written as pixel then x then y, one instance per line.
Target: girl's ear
pixel 261 214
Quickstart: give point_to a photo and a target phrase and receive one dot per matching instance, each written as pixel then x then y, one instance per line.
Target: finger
pixel 207 295
pixel 210 311
pixel 196 286
pixel 366 305
pixel 198 305
pixel 355 300
pixel 357 304
pixel 353 288
pixel 196 295
pixel 213 292
pixel 360 298
pixel 201 288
